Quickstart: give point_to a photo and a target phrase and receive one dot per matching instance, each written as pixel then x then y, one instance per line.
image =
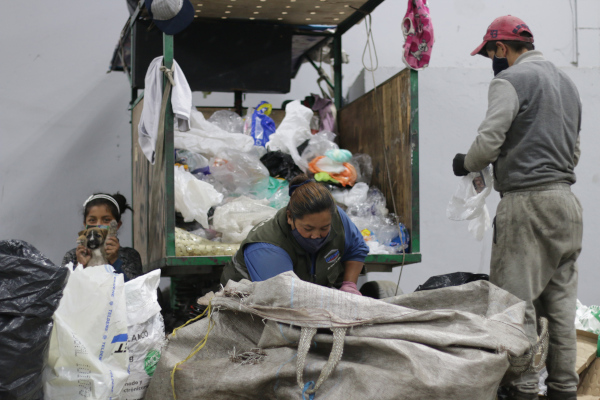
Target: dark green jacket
pixel 329 270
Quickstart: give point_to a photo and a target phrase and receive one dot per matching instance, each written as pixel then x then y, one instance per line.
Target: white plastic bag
pixel 208 139
pixel 467 203
pixel 88 356
pixel 236 218
pixel 587 318
pixel 193 197
pixel 146 333
pixel 292 132
pixel 356 195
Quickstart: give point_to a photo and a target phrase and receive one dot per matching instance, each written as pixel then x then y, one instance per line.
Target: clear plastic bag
pixel 468 201
pixel 356 195
pixel 196 163
pixel 318 145
pixel 239 173
pixel 364 167
pixel 189 245
pixel 193 197
pixel 229 121
pixel 236 218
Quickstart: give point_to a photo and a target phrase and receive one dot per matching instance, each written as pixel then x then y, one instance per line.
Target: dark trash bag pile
pixel 452 279
pixel 31 287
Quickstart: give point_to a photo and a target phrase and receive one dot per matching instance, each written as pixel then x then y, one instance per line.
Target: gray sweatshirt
pixel 531 128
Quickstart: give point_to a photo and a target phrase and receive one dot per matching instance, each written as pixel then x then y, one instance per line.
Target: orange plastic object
pixel 346 178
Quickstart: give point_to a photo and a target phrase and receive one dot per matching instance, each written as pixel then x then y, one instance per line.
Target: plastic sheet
pixel 188 245
pixel 228 121
pixel 318 145
pixel 280 165
pixel 208 139
pixel 364 167
pixel 193 197
pixel 452 279
pixel 278 193
pixel 236 218
pixel 31 287
pixel 468 201
pixel 239 173
pixel 292 132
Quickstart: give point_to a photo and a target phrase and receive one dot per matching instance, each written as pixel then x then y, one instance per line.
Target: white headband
pixel 103 196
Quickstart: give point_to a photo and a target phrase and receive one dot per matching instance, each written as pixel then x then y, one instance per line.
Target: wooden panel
pixel 139 188
pixel 378 119
pixel 293 12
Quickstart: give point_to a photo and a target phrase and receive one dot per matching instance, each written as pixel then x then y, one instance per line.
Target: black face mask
pixel 499 65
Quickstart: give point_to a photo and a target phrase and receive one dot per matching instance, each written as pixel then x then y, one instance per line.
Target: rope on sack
pixel 306 336
pixel 372 68
pixel 198 347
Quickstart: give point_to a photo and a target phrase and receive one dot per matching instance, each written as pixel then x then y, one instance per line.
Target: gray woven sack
pixel 279 338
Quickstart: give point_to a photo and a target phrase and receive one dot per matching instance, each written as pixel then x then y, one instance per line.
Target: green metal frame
pixel 173 265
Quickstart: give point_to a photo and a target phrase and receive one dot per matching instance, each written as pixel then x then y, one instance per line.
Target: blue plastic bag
pixel 265 127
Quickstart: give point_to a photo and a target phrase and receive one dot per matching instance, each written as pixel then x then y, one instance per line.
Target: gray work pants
pixel 537 239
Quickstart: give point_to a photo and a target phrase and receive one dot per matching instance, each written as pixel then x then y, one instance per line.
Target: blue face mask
pixel 311 246
pixel 499 65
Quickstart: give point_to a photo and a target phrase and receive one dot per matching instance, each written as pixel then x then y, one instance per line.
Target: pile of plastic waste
pixel 232 173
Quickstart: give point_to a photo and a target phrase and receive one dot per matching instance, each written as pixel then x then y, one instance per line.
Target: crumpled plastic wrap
pixel 189 245
pixel 228 121
pixel 193 197
pixel 239 173
pixel 319 144
pixel 208 139
pixel 468 201
pixel 587 318
pixel 356 195
pixel 364 167
pixel 292 132
pixel 236 218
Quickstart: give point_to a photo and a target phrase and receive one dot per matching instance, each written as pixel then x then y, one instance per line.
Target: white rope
pixel 169 73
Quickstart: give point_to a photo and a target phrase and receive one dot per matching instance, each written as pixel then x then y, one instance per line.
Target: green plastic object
pixel 324 177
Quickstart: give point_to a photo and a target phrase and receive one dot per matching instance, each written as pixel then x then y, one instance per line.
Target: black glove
pixel 458 165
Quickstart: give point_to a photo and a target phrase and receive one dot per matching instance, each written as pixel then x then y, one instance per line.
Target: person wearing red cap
pixel 531 136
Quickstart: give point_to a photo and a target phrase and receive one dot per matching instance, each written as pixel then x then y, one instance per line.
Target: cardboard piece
pixel 588 366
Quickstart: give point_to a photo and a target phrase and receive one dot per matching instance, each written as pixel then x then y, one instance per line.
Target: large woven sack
pixel 288 339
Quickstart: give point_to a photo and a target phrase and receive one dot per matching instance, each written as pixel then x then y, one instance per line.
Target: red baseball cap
pixel 504 28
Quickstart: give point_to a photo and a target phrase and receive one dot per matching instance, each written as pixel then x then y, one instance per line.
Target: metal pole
pixel 337 70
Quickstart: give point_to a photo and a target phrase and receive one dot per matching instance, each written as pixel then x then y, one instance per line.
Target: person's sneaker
pixel 556 395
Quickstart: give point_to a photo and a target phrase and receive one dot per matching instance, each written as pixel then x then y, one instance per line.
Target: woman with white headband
pixel 99 210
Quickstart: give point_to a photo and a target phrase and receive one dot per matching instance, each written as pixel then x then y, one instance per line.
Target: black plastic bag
pixel 280 165
pixel 31 287
pixel 453 279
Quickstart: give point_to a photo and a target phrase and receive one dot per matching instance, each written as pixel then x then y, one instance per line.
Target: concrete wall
pixel 65 126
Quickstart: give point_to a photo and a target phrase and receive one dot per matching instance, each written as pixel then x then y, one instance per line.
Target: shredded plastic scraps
pixel 188 244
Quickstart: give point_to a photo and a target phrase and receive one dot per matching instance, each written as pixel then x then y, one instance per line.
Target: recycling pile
pixel 233 172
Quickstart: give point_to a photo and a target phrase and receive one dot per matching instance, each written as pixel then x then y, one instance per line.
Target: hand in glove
pixel 350 287
pixel 458 165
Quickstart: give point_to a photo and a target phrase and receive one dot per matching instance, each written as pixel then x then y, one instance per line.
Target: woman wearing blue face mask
pixel 311 236
pixel 99 210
